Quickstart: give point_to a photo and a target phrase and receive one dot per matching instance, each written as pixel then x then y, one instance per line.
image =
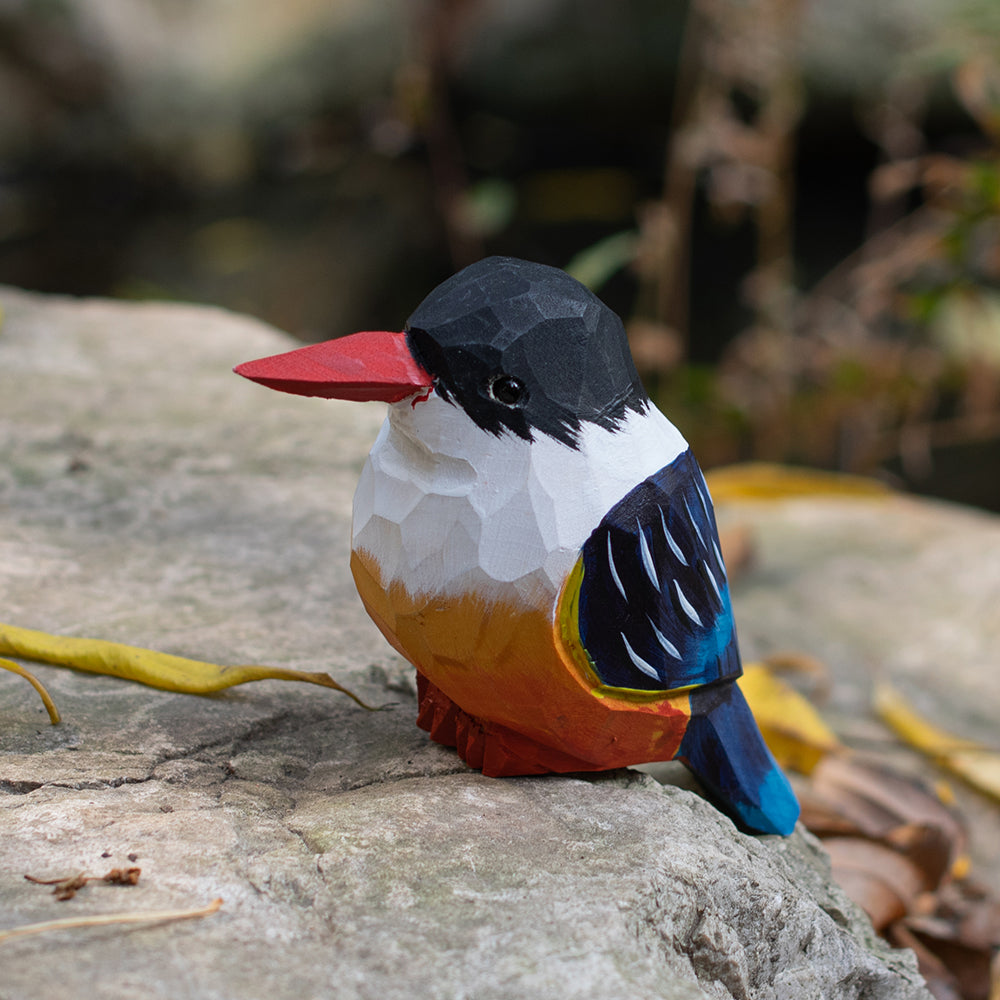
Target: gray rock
pixel 149 496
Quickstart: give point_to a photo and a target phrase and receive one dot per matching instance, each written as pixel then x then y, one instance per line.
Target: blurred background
pixel 795 204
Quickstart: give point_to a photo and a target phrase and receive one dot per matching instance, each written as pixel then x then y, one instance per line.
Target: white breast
pixel 445 507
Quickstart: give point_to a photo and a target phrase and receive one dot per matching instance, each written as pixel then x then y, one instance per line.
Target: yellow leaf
pixel 793 730
pixel 159 670
pixel 766 481
pixel 16 668
pixel 977 764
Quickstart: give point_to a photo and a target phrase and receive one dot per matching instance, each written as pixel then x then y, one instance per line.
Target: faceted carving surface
pixel 522 520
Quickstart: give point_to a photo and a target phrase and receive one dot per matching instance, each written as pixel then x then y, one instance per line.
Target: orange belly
pixel 516 667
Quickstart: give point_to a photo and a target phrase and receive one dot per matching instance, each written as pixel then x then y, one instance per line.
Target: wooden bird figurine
pixel 536 538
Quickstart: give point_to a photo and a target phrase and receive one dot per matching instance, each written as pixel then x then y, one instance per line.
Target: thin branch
pixel 108 919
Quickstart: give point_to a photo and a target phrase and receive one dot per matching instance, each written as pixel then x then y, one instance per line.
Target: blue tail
pixel 724 749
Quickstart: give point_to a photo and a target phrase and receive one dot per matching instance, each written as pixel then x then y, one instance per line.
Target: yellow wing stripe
pixel 568 633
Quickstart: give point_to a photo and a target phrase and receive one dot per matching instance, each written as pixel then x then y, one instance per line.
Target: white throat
pixel 445 507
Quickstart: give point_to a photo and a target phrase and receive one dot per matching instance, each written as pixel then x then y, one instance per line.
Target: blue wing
pixel 654 609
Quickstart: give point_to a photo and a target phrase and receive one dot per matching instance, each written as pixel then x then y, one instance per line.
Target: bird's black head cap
pixel 523 347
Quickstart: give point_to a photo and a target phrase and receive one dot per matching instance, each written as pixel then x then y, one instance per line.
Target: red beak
pixel 362 366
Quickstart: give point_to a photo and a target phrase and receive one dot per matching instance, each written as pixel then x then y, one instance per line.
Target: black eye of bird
pixel 506 389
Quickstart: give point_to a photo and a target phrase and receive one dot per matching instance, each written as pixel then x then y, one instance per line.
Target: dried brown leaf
pixel 881 881
pixel 940 980
pixel 122 876
pixel 823 818
pixel 872 817
pixel 969 964
pixel 67 887
pixel 974 911
pixel 63 888
pixel 928 846
pixel 880 801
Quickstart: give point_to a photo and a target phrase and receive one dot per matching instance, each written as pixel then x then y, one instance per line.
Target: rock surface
pixel 149 496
